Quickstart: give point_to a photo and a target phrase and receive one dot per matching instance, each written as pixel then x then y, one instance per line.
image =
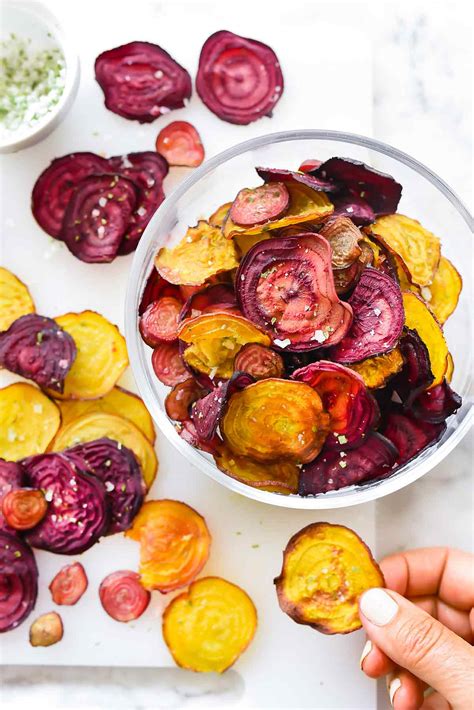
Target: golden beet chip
pixel 376 371
pixel 46 630
pixel 419 248
pixel 419 317
pixel 97 425
pixel 244 242
pixel 277 477
pixel 15 299
pixel 276 419
pixel 118 401
pixel 218 217
pixel 203 252
pixel 174 544
pixel 325 570
pixel 306 205
pixel 101 355
pixel 28 421
pixel 208 627
pixel 449 368
pixel 214 340
pixel 443 294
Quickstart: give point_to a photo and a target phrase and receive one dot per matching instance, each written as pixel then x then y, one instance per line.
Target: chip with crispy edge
pixel 278 477
pixel 28 421
pixel 214 339
pixel 218 217
pixel 203 252
pixel 174 544
pixel 118 401
pixel 210 625
pixel 419 248
pixel 444 291
pixel 376 371
pixel 449 368
pixel 306 205
pixel 15 299
pixel 325 570
pixel 101 355
pixel 419 317
pixel 275 420
pixel 97 425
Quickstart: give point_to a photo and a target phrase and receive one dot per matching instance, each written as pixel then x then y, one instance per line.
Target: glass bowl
pixel 425 197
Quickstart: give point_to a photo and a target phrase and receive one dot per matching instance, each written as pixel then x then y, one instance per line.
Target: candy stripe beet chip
pixel 141 81
pixel 37 348
pixel 11 479
pixel 18 581
pixel 239 79
pixel 98 216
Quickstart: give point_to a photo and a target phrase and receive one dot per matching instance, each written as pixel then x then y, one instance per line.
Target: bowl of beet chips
pixel 299 321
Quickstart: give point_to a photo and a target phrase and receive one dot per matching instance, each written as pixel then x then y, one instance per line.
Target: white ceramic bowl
pixel 425 197
pixel 34 20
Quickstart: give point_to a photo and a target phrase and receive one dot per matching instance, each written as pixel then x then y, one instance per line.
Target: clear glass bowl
pixel 425 197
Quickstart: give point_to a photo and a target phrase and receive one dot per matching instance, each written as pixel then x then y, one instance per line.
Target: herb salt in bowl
pixel 39 74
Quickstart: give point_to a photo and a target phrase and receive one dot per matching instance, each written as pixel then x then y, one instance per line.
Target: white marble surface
pixel 422 105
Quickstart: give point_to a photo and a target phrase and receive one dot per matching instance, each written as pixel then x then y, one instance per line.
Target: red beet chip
pixel 156 287
pixel 151 166
pixel 77 514
pixel 18 581
pixel 411 436
pixel 141 81
pixel 239 79
pixel 11 479
pixel 168 364
pixel 379 190
pixel 178 402
pixel 54 187
pixel 349 205
pixel 181 145
pixel 160 321
pixel 259 361
pixel 187 431
pixel 69 585
pixel 259 204
pixel 352 408
pixel 98 216
pixel 37 348
pixel 206 412
pixel 416 373
pixel 122 596
pixel 220 297
pixel 436 404
pixel 307 166
pixel 378 318
pixel 118 469
pixel 270 175
pixel 285 285
pixel 375 458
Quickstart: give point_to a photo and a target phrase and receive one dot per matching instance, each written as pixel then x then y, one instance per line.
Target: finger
pixel 374 663
pixel 416 641
pixel 405 691
pixel 456 620
pixel 440 571
pixel 435 701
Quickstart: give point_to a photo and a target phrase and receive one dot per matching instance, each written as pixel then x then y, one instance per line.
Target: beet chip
pixel 78 512
pixel 18 581
pixel 118 469
pixel 349 205
pixel 156 287
pixel 436 404
pixel 141 81
pixel 54 187
pixel 280 175
pixel 207 411
pixel 416 374
pixel 98 217
pixel 411 436
pixel 331 470
pixel 37 348
pixel 239 79
pixel 11 479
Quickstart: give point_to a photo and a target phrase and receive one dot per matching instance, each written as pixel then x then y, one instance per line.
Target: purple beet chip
pixel 37 348
pixel 411 436
pixel 281 175
pixel 354 207
pixel 207 411
pixel 18 581
pixel 436 404
pixel 11 478
pixel 416 374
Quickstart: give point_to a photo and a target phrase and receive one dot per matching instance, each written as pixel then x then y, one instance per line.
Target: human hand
pixel 424 639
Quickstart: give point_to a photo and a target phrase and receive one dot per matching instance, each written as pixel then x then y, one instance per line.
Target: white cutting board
pixel 327 70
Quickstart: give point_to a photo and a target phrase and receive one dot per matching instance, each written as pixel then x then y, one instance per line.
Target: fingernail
pixel 365 652
pixel 378 607
pixel 393 684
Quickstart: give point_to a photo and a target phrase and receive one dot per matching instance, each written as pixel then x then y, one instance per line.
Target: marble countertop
pixel 422 104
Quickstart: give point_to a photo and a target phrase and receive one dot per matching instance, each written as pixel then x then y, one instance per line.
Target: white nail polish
pixel 365 652
pixel 378 606
pixel 393 684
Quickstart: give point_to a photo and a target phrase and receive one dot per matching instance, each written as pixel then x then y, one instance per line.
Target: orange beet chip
pixel 443 294
pixel 174 544
pixel 214 339
pixel 449 368
pixel 23 508
pixel 278 477
pixel 202 253
pixel 325 570
pixel 208 627
pixel 376 371
pixel 419 317
pixel 275 420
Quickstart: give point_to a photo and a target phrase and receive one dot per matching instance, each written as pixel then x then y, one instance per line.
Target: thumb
pixel 421 644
